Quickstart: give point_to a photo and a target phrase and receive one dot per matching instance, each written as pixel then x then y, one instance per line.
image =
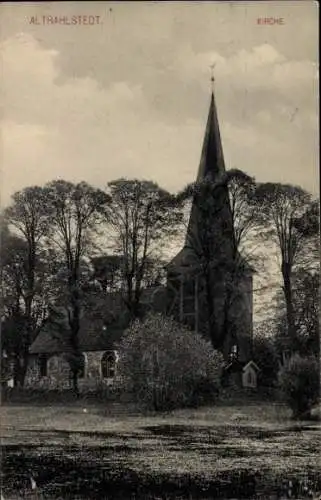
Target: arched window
pixel 234 352
pixel 82 365
pixel 108 365
pixel 42 361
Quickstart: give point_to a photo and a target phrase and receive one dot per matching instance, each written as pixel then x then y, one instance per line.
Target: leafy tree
pixel 299 380
pixel 5 374
pixel 52 278
pixel 307 311
pixel 13 344
pixel 27 215
pixel 108 271
pixel 164 365
pixel 266 357
pixel 142 217
pixel 155 273
pixel 280 207
pixel 13 254
pixel 309 223
pixel 76 212
pixel 241 188
pixel 16 338
pixel 308 229
pixel 306 301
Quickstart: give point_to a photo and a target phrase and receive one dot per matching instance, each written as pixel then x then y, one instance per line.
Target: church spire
pixel 211 166
pixel 212 159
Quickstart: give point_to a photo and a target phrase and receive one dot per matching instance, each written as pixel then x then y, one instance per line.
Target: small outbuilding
pixel 249 375
pixel 240 374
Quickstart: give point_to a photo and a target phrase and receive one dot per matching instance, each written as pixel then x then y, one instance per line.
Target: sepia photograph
pixel 160 250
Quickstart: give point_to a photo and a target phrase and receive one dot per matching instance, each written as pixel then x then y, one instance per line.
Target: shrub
pixel 164 365
pixel 266 357
pixel 299 382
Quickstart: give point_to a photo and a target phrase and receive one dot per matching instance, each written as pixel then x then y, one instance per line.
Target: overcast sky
pixel 129 96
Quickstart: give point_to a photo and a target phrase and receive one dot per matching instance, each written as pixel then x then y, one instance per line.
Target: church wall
pixel 240 313
pixel 58 373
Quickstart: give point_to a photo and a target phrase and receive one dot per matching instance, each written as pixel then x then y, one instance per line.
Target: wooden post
pixel 181 299
pixel 196 303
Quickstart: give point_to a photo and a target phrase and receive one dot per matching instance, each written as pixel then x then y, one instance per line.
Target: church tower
pixel 209 287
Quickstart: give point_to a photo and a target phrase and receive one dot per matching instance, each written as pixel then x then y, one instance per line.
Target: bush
pixel 266 357
pixel 165 366
pixel 299 382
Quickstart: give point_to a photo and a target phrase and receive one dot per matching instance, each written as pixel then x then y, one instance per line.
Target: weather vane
pixel 212 74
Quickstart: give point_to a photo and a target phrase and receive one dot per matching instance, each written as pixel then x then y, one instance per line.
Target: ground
pixel 96 451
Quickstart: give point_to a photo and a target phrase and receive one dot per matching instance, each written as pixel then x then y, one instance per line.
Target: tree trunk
pixel 24 366
pixel 226 320
pixel 75 382
pixel 287 289
pixel 74 323
pixel 29 326
pixel 16 370
pixel 136 306
pixel 210 305
pixel 228 327
pixel 129 293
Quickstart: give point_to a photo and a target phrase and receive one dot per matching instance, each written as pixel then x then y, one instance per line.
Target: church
pixel 208 288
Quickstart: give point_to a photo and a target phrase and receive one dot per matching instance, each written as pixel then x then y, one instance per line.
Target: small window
pixel 108 365
pixel 82 366
pixel 234 352
pixel 286 354
pixel 43 366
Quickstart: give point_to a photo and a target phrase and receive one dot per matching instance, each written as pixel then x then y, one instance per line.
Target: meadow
pixel 89 450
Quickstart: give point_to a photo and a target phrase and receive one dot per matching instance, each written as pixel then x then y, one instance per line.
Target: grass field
pixel 245 450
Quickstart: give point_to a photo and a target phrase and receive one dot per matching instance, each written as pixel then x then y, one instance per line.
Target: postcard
pixel 160 261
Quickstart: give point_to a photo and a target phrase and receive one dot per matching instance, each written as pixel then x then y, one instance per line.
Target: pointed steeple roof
pixel 212 158
pixel 211 166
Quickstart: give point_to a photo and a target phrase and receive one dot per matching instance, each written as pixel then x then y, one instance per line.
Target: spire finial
pixel 212 66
